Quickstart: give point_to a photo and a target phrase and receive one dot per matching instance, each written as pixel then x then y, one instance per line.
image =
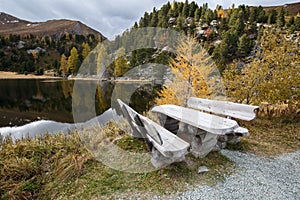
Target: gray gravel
pixel 256 178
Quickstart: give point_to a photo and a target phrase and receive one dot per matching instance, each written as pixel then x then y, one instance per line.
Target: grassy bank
pixel 270 137
pixel 59 167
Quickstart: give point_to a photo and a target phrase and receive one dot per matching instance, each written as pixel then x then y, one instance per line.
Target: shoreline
pixel 14 75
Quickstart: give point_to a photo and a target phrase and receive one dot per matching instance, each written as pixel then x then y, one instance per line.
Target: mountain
pixel 12 25
pixel 292 9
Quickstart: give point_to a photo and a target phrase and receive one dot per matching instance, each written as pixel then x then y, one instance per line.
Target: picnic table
pixel 206 124
pixel 197 129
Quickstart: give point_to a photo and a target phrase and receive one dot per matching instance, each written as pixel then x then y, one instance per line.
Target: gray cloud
pixel 110 17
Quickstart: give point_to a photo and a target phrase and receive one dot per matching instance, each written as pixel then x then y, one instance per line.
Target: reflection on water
pixel 23 101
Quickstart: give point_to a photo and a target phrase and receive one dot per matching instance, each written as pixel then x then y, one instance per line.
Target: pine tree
pixel 154 18
pixel 239 26
pixel 185 9
pixel 261 15
pixel 180 22
pixel 192 9
pixel 291 21
pixel 297 23
pixel 244 46
pixel 272 17
pixel 162 20
pixel 208 16
pixel 253 15
pixel 175 9
pixel 281 18
pixel 197 14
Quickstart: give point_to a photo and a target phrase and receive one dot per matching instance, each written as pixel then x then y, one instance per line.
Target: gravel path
pixel 256 178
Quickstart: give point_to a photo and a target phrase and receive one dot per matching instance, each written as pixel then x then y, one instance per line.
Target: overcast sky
pixel 110 17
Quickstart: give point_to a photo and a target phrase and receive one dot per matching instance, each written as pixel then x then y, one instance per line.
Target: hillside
pixel 12 25
pixel 292 9
pixel 36 47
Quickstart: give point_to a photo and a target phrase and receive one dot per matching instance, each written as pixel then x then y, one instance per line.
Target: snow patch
pixel 42 127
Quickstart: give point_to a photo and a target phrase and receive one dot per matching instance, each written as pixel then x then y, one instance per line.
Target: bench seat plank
pixel 235 110
pixel 168 144
pixel 210 123
pixel 172 145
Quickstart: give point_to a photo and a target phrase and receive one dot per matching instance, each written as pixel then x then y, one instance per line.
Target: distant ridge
pixel 292 9
pixel 13 25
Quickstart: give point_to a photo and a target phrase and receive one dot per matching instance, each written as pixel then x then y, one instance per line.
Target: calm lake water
pixel 24 101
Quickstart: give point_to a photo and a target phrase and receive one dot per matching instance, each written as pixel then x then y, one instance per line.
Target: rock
pixel 234 140
pixel 202 169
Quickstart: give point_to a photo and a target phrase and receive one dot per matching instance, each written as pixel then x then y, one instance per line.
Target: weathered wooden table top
pixel 208 122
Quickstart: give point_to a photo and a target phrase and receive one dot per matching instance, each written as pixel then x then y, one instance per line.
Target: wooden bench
pixel 226 109
pixel 166 147
pixel 205 131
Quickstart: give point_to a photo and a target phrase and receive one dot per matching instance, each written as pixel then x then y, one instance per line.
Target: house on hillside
pixel 37 50
pixel 214 23
pixel 21 45
pixel 172 20
pixel 189 20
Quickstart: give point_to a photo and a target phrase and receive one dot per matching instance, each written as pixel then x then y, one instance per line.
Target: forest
pixel 37 54
pixel 227 34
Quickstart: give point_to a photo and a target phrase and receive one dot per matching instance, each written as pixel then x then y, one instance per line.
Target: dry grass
pixel 270 137
pixel 32 168
pixel 59 167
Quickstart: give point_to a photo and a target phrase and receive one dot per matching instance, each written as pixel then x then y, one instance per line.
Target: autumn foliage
pixel 273 76
pixel 191 69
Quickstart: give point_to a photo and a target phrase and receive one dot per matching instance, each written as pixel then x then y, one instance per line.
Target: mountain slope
pixel 292 8
pixel 12 25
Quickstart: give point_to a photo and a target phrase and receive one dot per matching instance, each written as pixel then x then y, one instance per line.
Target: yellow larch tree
pixel 191 70
pixel 121 63
pixel 85 50
pixel 63 65
pixel 73 61
pixel 35 55
pixel 102 59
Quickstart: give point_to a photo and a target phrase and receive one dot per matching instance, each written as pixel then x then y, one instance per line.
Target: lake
pixel 25 100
